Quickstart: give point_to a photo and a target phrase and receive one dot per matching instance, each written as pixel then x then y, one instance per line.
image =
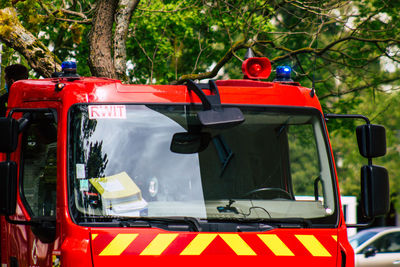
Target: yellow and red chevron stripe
pixel 195 244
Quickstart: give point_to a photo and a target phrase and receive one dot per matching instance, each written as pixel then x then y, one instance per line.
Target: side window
pixel 388 243
pixel 39 164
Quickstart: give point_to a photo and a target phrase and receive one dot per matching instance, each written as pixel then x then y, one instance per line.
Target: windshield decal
pixel 80 171
pixel 107 112
pixel 84 185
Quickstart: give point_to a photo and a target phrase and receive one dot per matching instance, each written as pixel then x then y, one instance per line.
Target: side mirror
pixel 371 140
pixel 374 191
pixel 9 129
pixel 370 252
pixel 44 229
pixel 8 188
pixel 189 143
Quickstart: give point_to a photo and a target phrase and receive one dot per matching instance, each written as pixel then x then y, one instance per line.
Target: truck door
pixel 38 184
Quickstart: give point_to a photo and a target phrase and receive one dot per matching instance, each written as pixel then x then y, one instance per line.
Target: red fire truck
pixel 231 172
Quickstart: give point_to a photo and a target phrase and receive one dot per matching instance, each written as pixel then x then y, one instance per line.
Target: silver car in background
pixel 378 247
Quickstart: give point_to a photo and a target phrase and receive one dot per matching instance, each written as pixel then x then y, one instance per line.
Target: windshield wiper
pixel 196 225
pixel 238 225
pixel 284 222
pixel 168 223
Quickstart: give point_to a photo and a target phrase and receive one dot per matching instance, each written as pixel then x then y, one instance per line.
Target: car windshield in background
pixel 158 161
pixel 361 237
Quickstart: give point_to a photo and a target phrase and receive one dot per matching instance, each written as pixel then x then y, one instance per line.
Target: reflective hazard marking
pixel 275 245
pixel 118 244
pixel 237 244
pixel 159 244
pixel 313 245
pixel 198 244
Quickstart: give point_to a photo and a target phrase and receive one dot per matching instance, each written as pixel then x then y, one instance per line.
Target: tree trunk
pixel 100 40
pixel 14 35
pixel 122 20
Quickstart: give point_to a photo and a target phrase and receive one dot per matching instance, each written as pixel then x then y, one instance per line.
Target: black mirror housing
pixel 189 143
pixel 9 129
pixel 371 140
pixel 8 188
pixel 221 118
pixel 374 191
pixel 44 229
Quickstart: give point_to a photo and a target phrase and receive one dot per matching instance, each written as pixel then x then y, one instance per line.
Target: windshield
pixel 130 161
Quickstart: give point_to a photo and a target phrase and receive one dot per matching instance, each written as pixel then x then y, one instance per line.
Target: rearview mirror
pixel 9 129
pixel 371 140
pixel 8 188
pixel 189 143
pixel 374 191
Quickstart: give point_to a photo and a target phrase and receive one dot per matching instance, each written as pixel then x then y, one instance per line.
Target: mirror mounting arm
pixel 11 221
pixel 213 114
pixel 361 225
pixel 212 101
pixel 346 116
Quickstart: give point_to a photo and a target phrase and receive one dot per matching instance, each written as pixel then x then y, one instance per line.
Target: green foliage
pixel 57 30
pixel 172 38
pixel 5 3
pixel 29 15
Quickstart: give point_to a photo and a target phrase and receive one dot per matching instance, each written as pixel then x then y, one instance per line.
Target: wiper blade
pixel 243 225
pixel 191 221
pixel 283 222
pixel 146 221
pixel 196 225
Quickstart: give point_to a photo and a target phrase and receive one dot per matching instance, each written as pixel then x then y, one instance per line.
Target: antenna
pixel 55 74
pixel 249 53
pixel 312 93
pixel 55 63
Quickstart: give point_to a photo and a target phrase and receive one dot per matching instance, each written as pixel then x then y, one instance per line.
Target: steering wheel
pixel 268 191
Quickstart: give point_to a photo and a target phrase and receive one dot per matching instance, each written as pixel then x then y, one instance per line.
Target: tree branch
pixel 14 35
pixel 209 74
pixel 100 36
pixel 65 11
pixel 122 19
pixel 360 88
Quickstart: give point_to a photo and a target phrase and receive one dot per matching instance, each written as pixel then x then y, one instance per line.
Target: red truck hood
pixel 149 247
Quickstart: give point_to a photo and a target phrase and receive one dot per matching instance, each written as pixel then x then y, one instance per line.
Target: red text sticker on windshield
pixel 107 112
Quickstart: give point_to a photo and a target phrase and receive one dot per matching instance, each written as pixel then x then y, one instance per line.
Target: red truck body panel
pixel 84 246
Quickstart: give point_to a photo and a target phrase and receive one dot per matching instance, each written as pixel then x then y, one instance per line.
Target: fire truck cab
pixel 236 172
